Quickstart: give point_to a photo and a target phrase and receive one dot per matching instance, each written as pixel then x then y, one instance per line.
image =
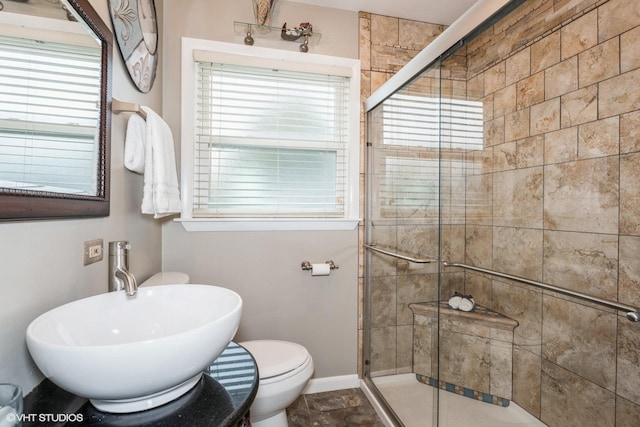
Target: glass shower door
pixel 402 232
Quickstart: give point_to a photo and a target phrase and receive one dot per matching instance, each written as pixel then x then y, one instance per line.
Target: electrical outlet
pixel 93 251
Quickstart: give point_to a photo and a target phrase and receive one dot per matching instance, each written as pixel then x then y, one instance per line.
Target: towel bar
pixel 118 106
pixel 633 313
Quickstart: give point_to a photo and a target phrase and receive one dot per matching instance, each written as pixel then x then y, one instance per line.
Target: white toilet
pixel 167 278
pixel 284 369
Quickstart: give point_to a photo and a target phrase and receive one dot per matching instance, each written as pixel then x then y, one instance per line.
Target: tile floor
pixel 341 408
pixel 411 400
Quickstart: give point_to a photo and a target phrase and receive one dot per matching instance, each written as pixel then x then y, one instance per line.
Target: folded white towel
pixel 454 301
pixel 161 194
pixel 467 303
pixel 134 144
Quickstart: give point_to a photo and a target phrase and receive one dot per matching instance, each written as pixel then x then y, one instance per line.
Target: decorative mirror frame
pixel 135 25
pixel 27 204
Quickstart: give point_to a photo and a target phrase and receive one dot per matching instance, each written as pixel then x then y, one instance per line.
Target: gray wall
pixel 281 301
pixel 41 262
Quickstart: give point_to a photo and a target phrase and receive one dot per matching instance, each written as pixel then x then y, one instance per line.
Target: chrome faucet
pixel 119 275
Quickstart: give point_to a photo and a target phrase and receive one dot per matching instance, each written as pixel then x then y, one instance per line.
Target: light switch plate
pixel 93 251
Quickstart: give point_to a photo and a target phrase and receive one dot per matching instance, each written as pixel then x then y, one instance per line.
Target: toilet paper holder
pixel 306 265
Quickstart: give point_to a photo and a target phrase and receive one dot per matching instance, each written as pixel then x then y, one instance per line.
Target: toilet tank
pixel 166 278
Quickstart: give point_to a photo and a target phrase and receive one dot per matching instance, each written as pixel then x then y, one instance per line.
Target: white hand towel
pixel 161 194
pixel 134 145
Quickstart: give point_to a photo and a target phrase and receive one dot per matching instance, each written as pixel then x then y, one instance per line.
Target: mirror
pixel 55 81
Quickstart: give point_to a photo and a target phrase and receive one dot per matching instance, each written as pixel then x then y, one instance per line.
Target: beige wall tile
pixel 620 94
pixel 517 251
pixel 479 199
pixel 365 42
pixel 384 30
pixel 579 35
pixel 579 107
pixel 383 301
pixel 545 117
pixel 480 287
pixel 378 79
pixel 627 413
pixel 523 304
pixel 599 138
pixel 518 66
pixel 414 288
pixel 617 16
pixel 530 91
pixel 504 156
pixel 630 132
pixel 389 58
pixel 628 361
pixel 629 48
pixel 568 399
pixel 580 339
pixel 599 63
pixel 404 358
pixel 561 78
pixel 630 194
pixel 494 78
pixel 504 101
pixel 526 380
pixel 517 125
pixel 500 379
pixel 470 368
pixel 629 284
pixel 475 87
pixel 517 198
pixel 383 351
pixel 425 346
pixel 479 246
pixel 561 146
pixel 530 152
pixel 582 196
pixel 417 35
pixel 584 262
pixel 494 132
pixel 546 52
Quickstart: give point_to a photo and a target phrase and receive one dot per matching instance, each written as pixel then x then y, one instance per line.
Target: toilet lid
pixel 276 357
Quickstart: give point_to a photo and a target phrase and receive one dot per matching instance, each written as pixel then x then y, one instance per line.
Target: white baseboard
pixel 341 382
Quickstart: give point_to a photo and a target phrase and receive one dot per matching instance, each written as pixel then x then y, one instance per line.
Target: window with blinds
pixel 422 121
pixel 269 142
pixel 49 112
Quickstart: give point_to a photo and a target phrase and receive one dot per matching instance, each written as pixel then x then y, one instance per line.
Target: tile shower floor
pixel 413 402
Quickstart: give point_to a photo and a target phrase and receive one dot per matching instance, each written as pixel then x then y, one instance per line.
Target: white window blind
pixel 422 121
pixel 270 142
pixel 49 111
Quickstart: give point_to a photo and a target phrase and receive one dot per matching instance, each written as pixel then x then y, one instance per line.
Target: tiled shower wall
pixel 386 45
pixel 554 196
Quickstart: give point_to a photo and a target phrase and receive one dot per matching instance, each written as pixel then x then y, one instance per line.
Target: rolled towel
pixel 466 303
pixel 454 301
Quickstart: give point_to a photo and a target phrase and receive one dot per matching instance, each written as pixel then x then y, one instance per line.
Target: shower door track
pixel 632 312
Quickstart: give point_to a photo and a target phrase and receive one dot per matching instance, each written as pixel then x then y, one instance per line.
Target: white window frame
pixel 259 56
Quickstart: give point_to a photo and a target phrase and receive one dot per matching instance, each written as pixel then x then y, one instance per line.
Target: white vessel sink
pixel 128 354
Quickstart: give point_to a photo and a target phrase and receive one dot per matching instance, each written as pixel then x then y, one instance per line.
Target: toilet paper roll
pixel 320 269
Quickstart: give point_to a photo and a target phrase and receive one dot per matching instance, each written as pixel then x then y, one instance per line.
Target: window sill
pixel 267 224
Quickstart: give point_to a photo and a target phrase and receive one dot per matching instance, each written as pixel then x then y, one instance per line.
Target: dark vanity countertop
pixel 221 398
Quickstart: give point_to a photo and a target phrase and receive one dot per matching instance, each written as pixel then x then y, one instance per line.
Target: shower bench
pixel 475 351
